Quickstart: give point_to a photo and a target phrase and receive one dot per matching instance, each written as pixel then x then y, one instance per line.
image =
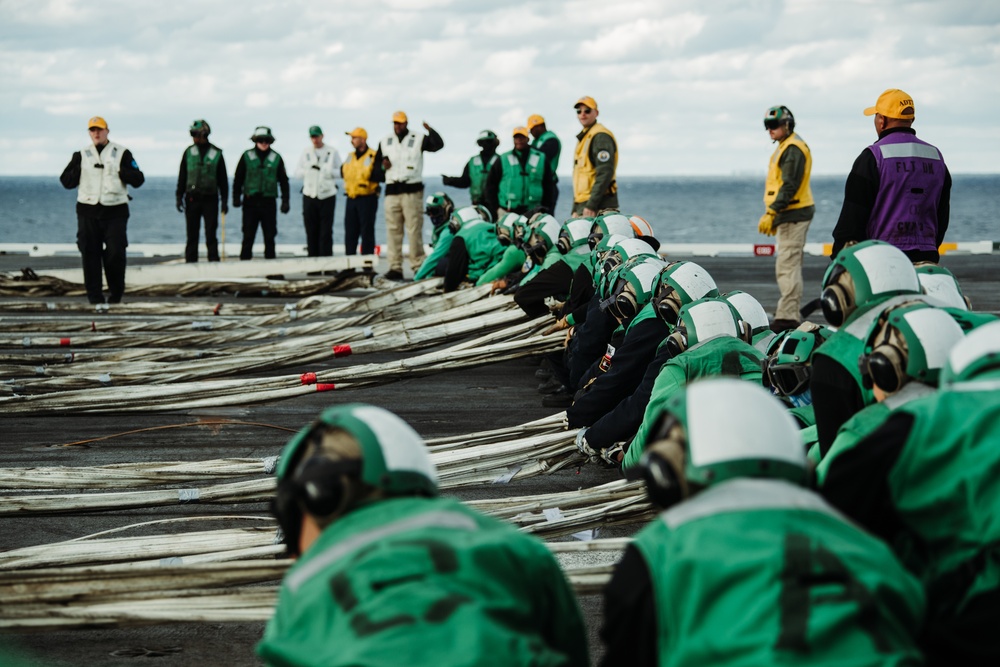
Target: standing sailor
pixel 263 172
pixel 202 183
pixel 477 168
pixel 789 210
pixel 362 195
pixel 400 163
pixel 520 181
pixel 594 163
pixel 319 168
pixel 547 142
pixel 101 171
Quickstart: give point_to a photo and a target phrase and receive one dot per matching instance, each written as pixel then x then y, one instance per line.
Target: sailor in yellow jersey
pixel 594 163
pixel 789 210
pixel 362 195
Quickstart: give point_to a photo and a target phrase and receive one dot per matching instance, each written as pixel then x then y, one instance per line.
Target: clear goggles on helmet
pixel 609 262
pixel 536 249
pixel 564 244
pixel 504 235
pixel 595 236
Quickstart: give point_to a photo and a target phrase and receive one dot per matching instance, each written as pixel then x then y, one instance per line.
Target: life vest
pixel 803 196
pixel 521 187
pixel 584 173
pixel 319 183
pixel 202 170
pixel 262 177
pixel 477 176
pixel 542 139
pixel 406 156
pixel 356 172
pixel 100 176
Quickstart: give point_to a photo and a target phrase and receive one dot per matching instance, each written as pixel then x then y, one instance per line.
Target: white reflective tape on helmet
pixel 710 319
pixel 402 448
pixel 749 309
pixel 937 333
pixel 618 224
pixel 694 280
pixel 756 426
pixel 943 289
pixel 578 229
pixel 980 342
pixel 632 247
pixel 641 226
pixel 887 269
pixel 646 272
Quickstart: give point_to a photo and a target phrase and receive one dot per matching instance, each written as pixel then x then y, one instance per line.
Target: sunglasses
pixel 772 124
pixel 582 111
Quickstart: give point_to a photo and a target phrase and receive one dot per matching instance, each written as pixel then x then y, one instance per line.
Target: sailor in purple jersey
pixel 899 189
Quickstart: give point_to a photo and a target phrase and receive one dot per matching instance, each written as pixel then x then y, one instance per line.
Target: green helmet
pixel 393 459
pixel 749 309
pixel 607 225
pixel 690 447
pixel 979 353
pixel 617 255
pixel 678 285
pixel 862 275
pixel 507 228
pixel 909 341
pixel 574 234
pixel 941 285
pixel 438 206
pixel 467 215
pixel 544 236
pixel 262 132
pixel 201 128
pixel 632 287
pixel 788 366
pixel 487 137
pixel 775 117
pixel 700 320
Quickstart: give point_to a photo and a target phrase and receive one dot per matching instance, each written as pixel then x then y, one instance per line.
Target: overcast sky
pixel 684 86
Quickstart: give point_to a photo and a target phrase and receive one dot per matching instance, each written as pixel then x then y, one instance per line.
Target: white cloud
pixel 682 86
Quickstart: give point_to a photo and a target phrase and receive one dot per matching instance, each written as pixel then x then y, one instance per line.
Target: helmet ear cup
pixel 661 466
pixel 887 368
pixel 676 342
pixel 745 331
pixel 668 306
pixel 837 304
pixel 323 485
pixel 626 305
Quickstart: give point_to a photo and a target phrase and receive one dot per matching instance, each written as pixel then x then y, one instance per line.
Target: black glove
pixel 180 203
pixel 284 206
pixel 225 206
pixel 236 200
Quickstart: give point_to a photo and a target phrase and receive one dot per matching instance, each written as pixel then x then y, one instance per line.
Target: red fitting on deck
pixel 64 342
pixel 93 326
pixel 341 350
pixel 308 378
pixel 327 386
pixel 218 307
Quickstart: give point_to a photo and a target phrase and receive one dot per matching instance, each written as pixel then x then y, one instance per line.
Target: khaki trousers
pixel 791 237
pixel 405 212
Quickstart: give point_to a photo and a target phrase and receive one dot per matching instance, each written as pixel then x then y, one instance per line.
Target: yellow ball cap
pixel 399 117
pixel 535 120
pixel 587 101
pixel 357 132
pixel 97 121
pixel 893 103
pixel 520 130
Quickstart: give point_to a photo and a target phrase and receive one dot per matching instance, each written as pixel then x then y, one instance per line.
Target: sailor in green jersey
pixel 901 362
pixel 510 234
pixel 202 184
pixel 474 248
pixel 438 207
pixel 390 574
pixel 747 566
pixel 436 264
pixel 926 482
pixel 477 168
pixel 709 340
pixel 520 181
pixel 555 277
pixel 544 140
pixel 861 281
pixel 260 177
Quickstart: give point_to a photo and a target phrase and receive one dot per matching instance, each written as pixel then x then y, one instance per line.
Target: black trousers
pixel 456 264
pixel 263 212
pixel 197 207
pixel 102 241
pixel 317 214
pixel 359 221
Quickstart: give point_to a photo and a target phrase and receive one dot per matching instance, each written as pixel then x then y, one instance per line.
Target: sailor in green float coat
pixel 926 482
pixel 390 574
pixel 747 566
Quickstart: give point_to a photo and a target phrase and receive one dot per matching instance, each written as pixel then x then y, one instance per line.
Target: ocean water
pixel 681 209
